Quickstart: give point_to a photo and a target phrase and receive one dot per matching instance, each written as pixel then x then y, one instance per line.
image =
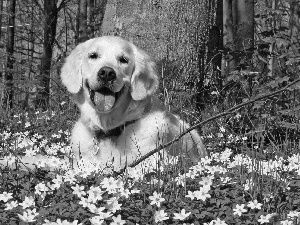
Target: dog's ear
pixel 71 72
pixel 144 80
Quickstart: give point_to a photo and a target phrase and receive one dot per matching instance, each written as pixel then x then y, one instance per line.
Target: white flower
pixel 181 216
pixel 254 205
pixel 239 209
pixel 11 205
pixel 64 222
pixel 286 222
pixel 27 124
pixel 27 202
pixel 78 190
pixel 225 180
pixel 41 189
pixel 5 196
pixel 156 199
pixel 264 219
pixel 206 181
pixel 293 214
pixel 70 177
pixel 110 184
pixel 84 202
pixel 113 206
pixel 206 160
pixel 117 220
pixel 125 193
pixel 222 129
pixel 95 210
pixel 160 216
pixel 28 215
pixel 192 174
pixel 216 222
pixel 96 220
pixel 191 195
pixel 202 194
pixel 135 191
pixel 95 194
pixel 57 181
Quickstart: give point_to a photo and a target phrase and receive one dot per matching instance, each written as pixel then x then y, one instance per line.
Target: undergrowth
pixel 246 180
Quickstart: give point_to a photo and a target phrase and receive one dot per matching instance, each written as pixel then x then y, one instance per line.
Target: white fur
pixel 149 124
pixel 138 139
pixel 146 124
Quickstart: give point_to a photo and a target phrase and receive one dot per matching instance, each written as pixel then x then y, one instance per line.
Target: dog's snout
pixel 107 74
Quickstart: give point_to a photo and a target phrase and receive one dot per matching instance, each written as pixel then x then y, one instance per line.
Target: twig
pixel 229 111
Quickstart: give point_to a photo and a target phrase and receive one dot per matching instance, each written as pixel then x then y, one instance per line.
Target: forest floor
pixel 241 182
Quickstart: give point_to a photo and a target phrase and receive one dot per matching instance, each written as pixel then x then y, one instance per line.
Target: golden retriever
pixel 113 83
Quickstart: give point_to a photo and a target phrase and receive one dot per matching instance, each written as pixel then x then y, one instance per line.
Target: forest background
pixel 207 51
pixel 230 68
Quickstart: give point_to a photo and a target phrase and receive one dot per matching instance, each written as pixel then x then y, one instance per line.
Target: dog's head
pixel 105 69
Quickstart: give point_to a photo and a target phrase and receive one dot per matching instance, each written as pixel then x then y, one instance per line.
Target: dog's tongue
pixel 104 102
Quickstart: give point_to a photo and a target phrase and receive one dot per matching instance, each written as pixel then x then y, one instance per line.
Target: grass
pixel 242 182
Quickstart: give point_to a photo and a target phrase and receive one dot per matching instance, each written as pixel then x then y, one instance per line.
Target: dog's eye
pixel 123 59
pixel 93 55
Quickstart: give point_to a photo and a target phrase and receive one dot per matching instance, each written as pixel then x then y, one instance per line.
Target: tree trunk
pixel 229 23
pixel 208 53
pixel 8 77
pixel 238 25
pixel 82 21
pixel 101 8
pixel 216 45
pixel 1 69
pixel 1 13
pixel 92 27
pixel 294 22
pixel 272 45
pixel 76 36
pixel 43 95
pixel 31 46
pixel 92 18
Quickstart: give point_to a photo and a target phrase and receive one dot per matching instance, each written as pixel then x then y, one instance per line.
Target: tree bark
pixel 8 77
pixel 238 26
pixel 92 17
pixel 209 56
pixel 1 13
pixel 229 16
pixel 216 44
pixel 294 22
pixel 101 8
pixel 51 13
pixel 1 71
pixel 31 46
pixel 272 45
pixel 82 21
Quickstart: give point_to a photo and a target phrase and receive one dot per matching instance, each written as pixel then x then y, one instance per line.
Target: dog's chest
pixel 103 146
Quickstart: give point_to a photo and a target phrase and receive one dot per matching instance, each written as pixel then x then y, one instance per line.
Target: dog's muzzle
pixel 102 95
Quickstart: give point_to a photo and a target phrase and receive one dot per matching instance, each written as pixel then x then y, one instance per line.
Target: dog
pixel 113 84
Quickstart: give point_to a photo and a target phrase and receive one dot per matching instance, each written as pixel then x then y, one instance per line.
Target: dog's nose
pixel 107 74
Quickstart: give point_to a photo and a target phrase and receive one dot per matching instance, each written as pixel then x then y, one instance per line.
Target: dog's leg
pixel 190 143
pixel 82 142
